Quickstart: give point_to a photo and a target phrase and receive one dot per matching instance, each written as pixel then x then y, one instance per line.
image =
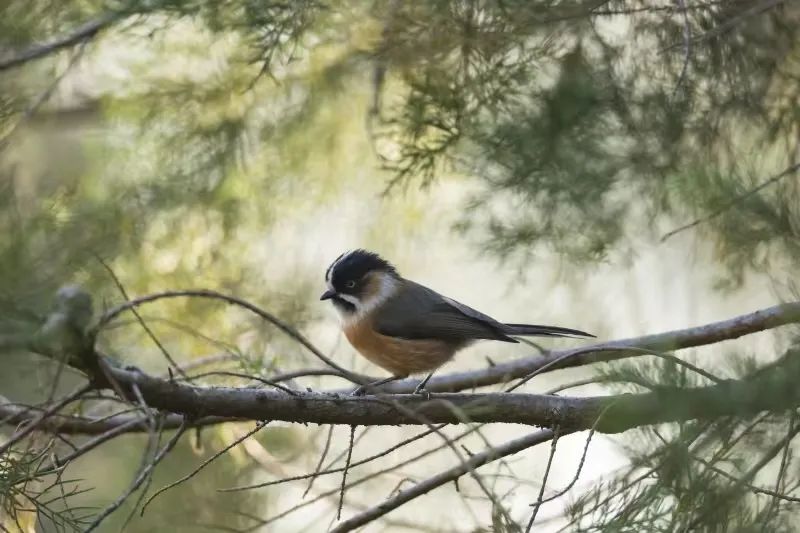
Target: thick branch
pixel 772 390
pixel 218 404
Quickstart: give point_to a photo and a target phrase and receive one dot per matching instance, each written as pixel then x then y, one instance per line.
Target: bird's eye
pixel 350 284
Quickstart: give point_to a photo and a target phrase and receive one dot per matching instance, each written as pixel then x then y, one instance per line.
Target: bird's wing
pixel 417 312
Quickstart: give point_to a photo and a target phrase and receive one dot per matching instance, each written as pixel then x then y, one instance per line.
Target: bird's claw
pixel 422 391
pixel 361 390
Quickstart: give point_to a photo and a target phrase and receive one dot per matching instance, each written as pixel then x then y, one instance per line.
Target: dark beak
pixel 327 295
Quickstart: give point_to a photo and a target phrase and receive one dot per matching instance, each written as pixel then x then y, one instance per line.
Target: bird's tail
pixel 533 330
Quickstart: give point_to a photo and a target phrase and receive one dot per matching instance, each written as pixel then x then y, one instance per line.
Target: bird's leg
pixel 361 390
pixel 420 388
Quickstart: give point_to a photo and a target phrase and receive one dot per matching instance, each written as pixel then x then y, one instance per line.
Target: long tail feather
pixel 533 330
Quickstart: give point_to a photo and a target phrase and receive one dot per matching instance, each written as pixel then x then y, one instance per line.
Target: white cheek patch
pixel 388 286
pixel 349 298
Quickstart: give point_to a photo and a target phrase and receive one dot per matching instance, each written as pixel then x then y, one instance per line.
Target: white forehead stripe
pixel 336 262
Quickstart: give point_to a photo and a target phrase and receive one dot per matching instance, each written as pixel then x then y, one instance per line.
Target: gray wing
pixel 417 312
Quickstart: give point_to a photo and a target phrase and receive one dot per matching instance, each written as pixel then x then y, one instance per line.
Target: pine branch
pixel 79 35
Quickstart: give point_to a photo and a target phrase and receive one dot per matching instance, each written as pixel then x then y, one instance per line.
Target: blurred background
pixel 529 159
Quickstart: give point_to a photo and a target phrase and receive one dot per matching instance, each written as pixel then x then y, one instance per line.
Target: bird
pixel 407 328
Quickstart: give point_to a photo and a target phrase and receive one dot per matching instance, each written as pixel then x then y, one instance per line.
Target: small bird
pixel 407 328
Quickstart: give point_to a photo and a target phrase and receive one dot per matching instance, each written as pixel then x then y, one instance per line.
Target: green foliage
pixel 587 127
pixel 590 127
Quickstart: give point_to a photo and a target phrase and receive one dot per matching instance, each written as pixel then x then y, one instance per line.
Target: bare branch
pixel 714 214
pixel 733 328
pixel 143 475
pixel 343 486
pixel 76 425
pixel 259 427
pixel 319 472
pixel 477 460
pixel 80 34
pixel 732 22
pixel 36 423
pixel 540 499
pixel 232 300
pixel 322 457
pixel 139 318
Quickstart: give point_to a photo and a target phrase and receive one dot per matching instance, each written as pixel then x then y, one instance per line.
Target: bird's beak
pixel 327 295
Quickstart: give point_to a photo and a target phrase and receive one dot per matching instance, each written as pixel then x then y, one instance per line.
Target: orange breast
pixel 401 357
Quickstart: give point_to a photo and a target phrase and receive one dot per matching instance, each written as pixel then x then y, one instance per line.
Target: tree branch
pixel 75 425
pixel 764 319
pixel 205 405
pixel 477 460
pixel 78 35
pixel 771 390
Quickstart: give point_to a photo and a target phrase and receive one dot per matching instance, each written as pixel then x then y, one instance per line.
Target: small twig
pixel 61 462
pixel 259 426
pixel 687 45
pixel 574 384
pixel 463 417
pixel 294 374
pixel 591 349
pixel 362 480
pixel 582 461
pixel 714 214
pixel 80 34
pixel 781 469
pixel 344 473
pixel 317 472
pixel 139 479
pixel 205 361
pixel 427 485
pixel 144 325
pixel 752 488
pixel 269 382
pixel 538 504
pixel 214 295
pixel 34 424
pixel 730 23
pixel 322 457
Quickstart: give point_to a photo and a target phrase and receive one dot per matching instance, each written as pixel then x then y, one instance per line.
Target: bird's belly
pixel 401 357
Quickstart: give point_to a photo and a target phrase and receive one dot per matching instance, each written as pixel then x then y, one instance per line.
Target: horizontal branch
pixel 771 390
pixel 14 415
pixel 206 405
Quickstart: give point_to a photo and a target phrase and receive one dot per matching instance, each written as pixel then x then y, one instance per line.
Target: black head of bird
pixel 407 328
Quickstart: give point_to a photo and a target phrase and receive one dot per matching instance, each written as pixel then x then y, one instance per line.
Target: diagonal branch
pixel 764 319
pixel 714 214
pixel 131 305
pixel 79 35
pixel 477 460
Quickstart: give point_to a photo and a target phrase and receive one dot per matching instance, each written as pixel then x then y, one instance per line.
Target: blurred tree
pixel 588 125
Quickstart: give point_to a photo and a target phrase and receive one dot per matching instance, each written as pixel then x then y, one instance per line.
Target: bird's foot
pixel 422 391
pixel 420 388
pixel 361 390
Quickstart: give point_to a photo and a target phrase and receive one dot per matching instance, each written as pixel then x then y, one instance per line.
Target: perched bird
pixel 407 328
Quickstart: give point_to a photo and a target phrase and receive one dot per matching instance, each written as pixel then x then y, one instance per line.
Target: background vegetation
pixel 623 167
